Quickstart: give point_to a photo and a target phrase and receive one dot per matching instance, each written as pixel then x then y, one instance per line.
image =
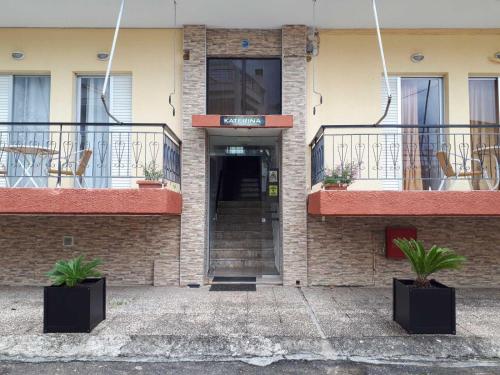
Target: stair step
pixel 254 203
pixel 249 190
pixel 250 243
pixel 241 254
pixel 243 234
pixel 238 227
pixel 241 263
pixel 247 271
pixel 242 219
pixel 241 210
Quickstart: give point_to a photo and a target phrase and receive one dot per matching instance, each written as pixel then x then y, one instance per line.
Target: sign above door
pixel 242 121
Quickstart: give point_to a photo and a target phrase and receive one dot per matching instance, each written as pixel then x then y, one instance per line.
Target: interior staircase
pixel 243 243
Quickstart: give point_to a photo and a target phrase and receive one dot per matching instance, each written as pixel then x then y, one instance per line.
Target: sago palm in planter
pixel 423 305
pixel 76 302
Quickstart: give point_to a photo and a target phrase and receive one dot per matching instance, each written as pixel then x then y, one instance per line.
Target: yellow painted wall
pixel 348 75
pixel 64 53
pixel 349 70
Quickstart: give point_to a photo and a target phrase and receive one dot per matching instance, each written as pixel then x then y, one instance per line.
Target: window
pixel 244 86
pixel 483 100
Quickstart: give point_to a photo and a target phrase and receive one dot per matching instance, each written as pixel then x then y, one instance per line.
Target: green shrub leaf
pixel 74 271
pixel 425 263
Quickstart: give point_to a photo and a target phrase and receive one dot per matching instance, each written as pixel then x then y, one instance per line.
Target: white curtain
pixel 94 137
pixel 30 103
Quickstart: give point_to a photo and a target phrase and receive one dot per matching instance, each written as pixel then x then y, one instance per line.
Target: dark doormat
pixel 233 288
pixel 231 279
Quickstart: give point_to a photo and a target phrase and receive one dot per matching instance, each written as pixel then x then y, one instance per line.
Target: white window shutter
pixel 121 107
pixel 5 116
pixel 391 157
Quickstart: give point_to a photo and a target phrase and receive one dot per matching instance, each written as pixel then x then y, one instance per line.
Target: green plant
pixel 151 173
pixel 73 271
pixel 425 263
pixel 341 174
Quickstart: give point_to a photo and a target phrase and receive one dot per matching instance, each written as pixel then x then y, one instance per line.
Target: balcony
pixel 405 170
pixel 88 168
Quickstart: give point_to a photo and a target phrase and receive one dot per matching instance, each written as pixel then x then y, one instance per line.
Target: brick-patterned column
pixel 294 183
pixel 193 221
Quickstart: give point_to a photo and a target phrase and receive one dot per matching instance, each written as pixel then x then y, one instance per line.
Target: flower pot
pixel 149 184
pixel 336 186
pixel 424 310
pixel 77 309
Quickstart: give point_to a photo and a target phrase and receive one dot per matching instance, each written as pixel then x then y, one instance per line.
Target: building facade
pixel 243 126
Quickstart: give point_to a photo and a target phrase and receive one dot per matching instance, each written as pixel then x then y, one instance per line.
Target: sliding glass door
pixel 421 106
pixel 93 137
pixel 484 111
pixel 30 104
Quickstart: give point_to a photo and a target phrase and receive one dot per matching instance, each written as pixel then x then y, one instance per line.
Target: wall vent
pixel 68 241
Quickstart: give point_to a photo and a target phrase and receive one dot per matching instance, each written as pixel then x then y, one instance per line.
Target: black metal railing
pixel 407 157
pixel 92 155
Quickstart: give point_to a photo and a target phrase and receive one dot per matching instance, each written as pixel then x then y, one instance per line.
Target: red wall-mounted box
pixel 392 233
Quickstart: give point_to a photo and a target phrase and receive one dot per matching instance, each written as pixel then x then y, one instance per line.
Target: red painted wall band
pixel 90 201
pixel 404 203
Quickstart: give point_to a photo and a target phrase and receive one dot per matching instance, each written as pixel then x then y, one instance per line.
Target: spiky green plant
pixel 73 271
pixel 424 263
pixel 151 173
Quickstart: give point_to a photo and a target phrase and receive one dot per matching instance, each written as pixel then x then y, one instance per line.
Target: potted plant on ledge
pixel 423 305
pixel 152 177
pixel 76 302
pixel 340 177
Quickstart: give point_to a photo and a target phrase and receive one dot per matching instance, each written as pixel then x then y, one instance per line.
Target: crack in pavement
pixel 327 349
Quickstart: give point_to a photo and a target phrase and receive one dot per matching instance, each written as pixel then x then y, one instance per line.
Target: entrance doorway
pixel 244 227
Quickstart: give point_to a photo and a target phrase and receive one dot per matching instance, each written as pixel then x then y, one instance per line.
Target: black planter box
pixel 424 310
pixel 71 310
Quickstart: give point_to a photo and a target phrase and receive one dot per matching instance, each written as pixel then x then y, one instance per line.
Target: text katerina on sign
pixel 243 120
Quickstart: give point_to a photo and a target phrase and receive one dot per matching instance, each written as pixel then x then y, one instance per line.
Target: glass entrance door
pixel 244 223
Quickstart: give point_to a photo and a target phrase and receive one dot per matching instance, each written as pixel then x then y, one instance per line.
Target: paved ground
pixel 231 368
pixel 171 324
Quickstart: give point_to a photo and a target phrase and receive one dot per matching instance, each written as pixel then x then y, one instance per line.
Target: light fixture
pixel 17 55
pixel 417 57
pixel 102 56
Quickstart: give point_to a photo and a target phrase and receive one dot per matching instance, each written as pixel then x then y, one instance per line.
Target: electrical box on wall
pixel 392 233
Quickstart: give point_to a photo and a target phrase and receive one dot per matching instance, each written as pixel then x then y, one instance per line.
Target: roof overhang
pixel 332 14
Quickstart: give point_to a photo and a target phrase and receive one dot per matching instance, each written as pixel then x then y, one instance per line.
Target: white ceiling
pixel 252 13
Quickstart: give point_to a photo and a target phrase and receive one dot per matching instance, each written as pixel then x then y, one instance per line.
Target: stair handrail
pixel 219 185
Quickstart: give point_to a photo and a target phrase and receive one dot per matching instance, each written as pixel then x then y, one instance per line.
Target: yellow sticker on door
pixel 273 190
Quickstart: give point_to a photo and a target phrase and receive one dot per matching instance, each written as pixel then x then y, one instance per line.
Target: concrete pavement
pixel 273 323
pixel 231 368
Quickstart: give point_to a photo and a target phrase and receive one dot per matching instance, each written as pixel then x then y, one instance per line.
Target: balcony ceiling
pixel 251 13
